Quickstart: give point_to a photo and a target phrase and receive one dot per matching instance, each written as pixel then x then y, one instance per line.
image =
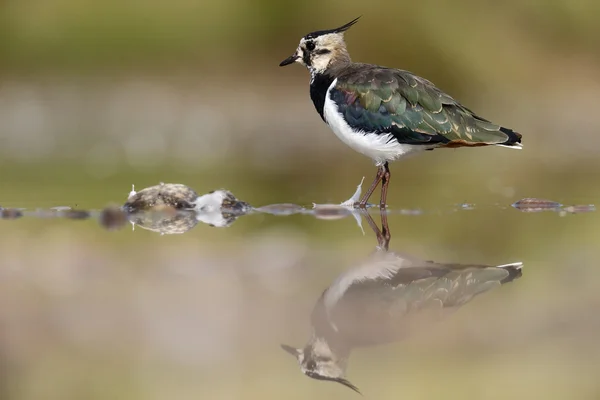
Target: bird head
pixel 322 50
pixel 317 361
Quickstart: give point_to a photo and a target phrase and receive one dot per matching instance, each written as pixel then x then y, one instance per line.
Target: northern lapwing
pixel 386 299
pixel 387 113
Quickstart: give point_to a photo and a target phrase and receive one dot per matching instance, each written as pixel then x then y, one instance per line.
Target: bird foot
pixel 362 205
pixel 368 205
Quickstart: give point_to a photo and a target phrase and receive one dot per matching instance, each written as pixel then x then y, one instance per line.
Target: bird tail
pixel 514 271
pixel 514 139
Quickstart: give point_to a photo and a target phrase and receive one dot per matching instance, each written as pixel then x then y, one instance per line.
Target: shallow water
pixel 129 313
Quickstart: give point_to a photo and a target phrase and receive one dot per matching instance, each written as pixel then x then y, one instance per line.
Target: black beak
pixel 288 60
pixel 293 351
pixel 343 381
pixel 346 383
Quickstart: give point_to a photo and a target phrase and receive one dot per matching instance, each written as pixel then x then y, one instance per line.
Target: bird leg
pixel 383 235
pixel 385 181
pixel 363 201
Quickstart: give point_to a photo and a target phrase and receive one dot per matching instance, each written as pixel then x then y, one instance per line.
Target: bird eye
pixel 310 46
pixel 311 365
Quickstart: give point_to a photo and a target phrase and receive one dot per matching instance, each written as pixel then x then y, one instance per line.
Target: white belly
pixel 375 146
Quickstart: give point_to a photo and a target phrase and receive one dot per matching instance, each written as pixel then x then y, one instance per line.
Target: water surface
pixel 131 313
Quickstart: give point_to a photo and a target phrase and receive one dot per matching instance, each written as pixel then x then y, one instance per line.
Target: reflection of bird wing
pixel 374 302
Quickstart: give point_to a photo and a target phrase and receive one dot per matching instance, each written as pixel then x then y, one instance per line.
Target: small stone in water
pixel 60 208
pixel 173 195
pixel 411 212
pixel 10 213
pixel 76 214
pixel 281 209
pixel 330 211
pixel 112 218
pixel 466 206
pixel 579 209
pixel 536 205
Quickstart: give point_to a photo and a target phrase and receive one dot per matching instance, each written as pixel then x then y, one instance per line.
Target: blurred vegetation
pixel 431 36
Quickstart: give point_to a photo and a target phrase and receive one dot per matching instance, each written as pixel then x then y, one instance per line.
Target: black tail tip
pixel 514 271
pixel 513 137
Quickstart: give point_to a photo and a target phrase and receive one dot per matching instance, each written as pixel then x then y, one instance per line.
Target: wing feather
pixel 384 100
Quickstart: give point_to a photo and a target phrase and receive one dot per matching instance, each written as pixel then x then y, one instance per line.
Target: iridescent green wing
pixel 412 109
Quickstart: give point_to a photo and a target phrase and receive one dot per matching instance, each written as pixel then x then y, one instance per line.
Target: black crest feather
pixel 342 28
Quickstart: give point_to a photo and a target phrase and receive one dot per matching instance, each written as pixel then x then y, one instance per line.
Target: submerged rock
pixel 10 213
pixel 578 209
pixel 331 211
pixel 112 218
pixel 282 209
pixel 76 214
pixel 582 208
pixel 536 205
pixel 167 221
pixel 222 200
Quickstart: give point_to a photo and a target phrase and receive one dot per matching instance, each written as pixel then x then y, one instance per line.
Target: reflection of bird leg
pixel 383 235
pixel 385 229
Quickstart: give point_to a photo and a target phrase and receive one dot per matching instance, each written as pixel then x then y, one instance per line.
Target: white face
pixel 318 49
pixel 316 53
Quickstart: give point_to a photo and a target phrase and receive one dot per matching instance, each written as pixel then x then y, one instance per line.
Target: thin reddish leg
pixel 385 177
pixel 363 201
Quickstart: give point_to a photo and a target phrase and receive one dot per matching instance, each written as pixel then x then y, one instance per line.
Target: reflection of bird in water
pixel 383 300
pixel 171 208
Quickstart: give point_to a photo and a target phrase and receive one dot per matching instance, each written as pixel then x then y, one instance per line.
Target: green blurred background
pixel 98 95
